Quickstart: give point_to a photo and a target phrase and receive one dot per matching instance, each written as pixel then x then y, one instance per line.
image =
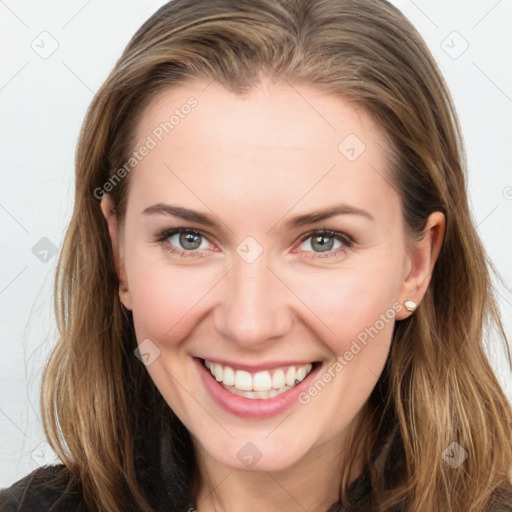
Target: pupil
pixel 324 246
pixel 187 241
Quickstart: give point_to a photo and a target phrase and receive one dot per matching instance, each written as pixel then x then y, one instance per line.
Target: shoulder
pixel 47 488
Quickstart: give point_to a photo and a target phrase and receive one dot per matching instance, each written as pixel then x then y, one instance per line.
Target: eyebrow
pixel 295 222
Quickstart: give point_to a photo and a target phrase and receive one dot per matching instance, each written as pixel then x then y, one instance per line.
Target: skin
pixel 252 163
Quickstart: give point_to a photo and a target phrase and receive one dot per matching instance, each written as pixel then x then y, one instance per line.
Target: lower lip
pixel 249 407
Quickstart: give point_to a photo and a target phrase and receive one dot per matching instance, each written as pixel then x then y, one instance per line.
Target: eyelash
pixel 342 237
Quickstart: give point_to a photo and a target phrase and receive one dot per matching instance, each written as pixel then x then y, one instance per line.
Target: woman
pixel 271 294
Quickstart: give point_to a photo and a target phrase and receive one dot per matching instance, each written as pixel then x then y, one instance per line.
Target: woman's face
pixel 252 286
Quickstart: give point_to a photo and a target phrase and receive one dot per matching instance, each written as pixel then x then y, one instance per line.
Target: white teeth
pixel 262 381
pixel 229 376
pixel 261 395
pixel 301 373
pixel 261 385
pixel 290 376
pixel 278 379
pixel 243 380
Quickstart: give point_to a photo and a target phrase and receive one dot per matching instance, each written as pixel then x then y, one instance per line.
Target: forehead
pixel 276 143
pixel 270 115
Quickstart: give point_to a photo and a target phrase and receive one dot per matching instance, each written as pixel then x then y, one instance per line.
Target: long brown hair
pixel 437 387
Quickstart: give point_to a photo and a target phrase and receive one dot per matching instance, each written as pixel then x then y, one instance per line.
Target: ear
pixel 109 212
pixel 421 258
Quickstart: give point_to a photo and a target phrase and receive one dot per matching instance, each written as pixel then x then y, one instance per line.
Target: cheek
pixel 164 297
pixel 359 312
pixel 355 303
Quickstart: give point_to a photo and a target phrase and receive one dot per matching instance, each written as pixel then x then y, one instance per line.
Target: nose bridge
pixel 253 307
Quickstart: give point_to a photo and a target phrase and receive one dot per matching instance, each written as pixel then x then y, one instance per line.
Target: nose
pixel 253 307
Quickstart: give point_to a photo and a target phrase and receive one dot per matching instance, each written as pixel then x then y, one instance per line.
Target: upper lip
pixel 251 368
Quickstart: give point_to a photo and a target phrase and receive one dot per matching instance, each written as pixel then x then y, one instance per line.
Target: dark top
pixel 36 493
pixel 42 491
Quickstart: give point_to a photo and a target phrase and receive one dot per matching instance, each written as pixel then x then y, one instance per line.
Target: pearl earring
pixel 410 305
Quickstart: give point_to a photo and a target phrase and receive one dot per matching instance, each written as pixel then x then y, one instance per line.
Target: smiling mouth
pixel 259 385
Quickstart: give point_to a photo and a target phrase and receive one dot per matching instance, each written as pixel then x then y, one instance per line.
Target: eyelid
pixel 174 231
pixel 328 232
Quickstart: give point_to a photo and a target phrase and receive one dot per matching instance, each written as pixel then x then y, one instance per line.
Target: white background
pixel 43 103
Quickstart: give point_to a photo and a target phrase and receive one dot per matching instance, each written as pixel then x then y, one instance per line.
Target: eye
pixel 325 243
pixel 184 241
pixel 187 242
